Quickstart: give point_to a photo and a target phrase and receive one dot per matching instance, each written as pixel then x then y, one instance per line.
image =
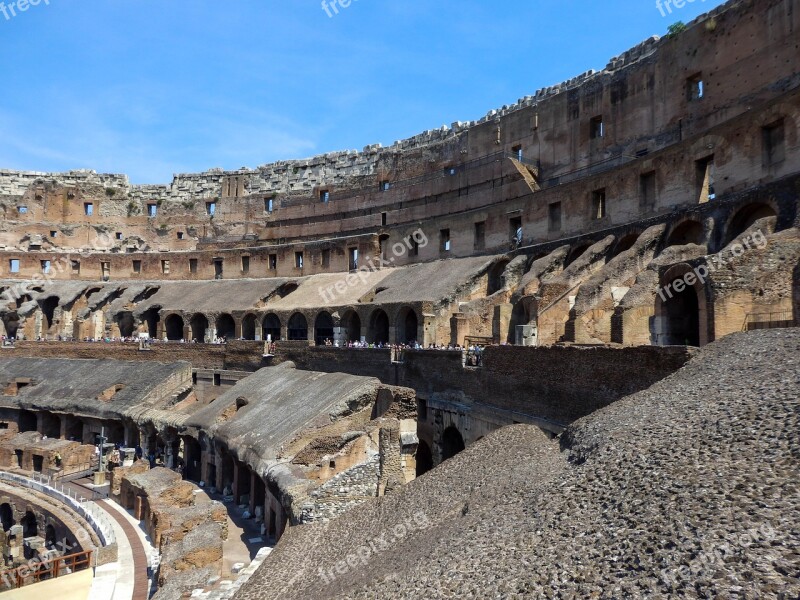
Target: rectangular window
pixel 211 208
pixel 22 210
pixel 105 269
pixel 326 258
pixel 217 268
pixel 480 235
pixel 705 179
pixel 268 205
pixel 383 219
pixel 444 240
pixel 695 87
pixel 137 266
pixel 245 264
pixel 88 209
pixel 118 235
pixel 165 267
pixel 353 262
pixel 515 230
pixel 385 186
pixel 76 267
pixel 53 234
pixel 647 190
pixel 554 217
pixel 298 260
pixel 45 267
pixel 598 204
pixel 597 128
pixel 273 262
pixel 774 146
pixel 152 210
pixel 517 151
pixel 180 235
pixel 193 266
pixel 324 196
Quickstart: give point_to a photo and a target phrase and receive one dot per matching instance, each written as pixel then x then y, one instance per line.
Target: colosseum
pixel 551 353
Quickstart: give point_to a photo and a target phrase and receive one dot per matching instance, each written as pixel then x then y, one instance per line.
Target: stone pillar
pixel 237 328
pixel 237 475
pixel 63 434
pixel 459 329
pixel 252 505
pixel 501 322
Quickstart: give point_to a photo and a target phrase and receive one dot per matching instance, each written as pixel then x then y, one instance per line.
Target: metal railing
pixel 771 320
pixel 37 571
pixel 95 516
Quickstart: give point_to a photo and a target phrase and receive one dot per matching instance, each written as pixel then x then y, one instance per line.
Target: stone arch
pixel 249 324
pixel 744 218
pixel 576 252
pixel 151 319
pixel 351 324
pixel 271 327
pixel 378 330
pixel 407 326
pixel 452 442
pixel 126 323
pixel 198 328
pixel 689 231
pixel 30 527
pixel 6 516
pixel 297 327
pixel 495 276
pixel 626 243
pixel 11 323
pixel 174 327
pixel 49 306
pixel 424 458
pixel 323 328
pixel 226 326
pixel 681 316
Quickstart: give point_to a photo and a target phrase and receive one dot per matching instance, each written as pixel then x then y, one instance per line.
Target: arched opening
pixel 519 316
pixel 6 516
pixel 29 526
pixel 688 232
pixel 199 327
pixel 27 421
pixel 378 328
pixel 625 243
pixel 351 323
pixel 424 458
pixel 576 253
pixel 152 319
pixel 226 327
pixel 127 324
pixel 679 314
pixel 323 328
pixel 51 425
pixel 452 442
pixel 407 326
pixel 298 327
pixel 49 306
pixel 745 218
pixel 495 280
pixel 249 327
pixel 272 328
pixel 50 537
pixel 11 323
pixel 174 326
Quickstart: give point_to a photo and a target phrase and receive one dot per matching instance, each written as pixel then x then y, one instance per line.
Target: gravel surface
pixel 690 489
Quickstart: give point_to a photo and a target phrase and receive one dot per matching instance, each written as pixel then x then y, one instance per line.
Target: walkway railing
pixel 93 514
pixel 773 320
pixel 42 570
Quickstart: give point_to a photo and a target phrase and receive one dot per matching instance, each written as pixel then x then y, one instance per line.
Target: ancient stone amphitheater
pixel 552 353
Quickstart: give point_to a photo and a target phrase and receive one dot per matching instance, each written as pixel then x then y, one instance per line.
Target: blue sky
pixel 156 87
